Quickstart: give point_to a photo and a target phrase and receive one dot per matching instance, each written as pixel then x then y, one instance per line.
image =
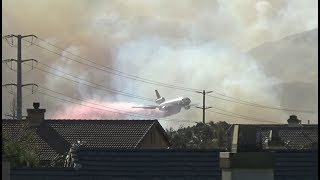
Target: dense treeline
pixel 200 136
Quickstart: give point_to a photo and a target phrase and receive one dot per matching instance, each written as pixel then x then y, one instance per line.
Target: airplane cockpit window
pixel 186 100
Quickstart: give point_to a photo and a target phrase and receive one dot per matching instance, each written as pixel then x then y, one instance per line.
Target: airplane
pixel 169 107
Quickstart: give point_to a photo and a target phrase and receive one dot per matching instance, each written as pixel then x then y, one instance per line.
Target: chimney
pixel 35 116
pixel 293 121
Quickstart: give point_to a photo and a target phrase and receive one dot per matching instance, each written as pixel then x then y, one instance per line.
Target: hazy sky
pixel 199 44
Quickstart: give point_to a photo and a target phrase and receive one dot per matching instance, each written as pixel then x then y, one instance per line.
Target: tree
pixel 199 136
pixel 20 148
pixel 13 109
pixel 221 128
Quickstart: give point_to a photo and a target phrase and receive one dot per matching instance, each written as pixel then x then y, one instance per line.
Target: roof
pixel 295 138
pixel 167 164
pixel 56 136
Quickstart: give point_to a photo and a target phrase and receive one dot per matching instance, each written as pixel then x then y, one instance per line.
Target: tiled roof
pixel 294 138
pixel 56 136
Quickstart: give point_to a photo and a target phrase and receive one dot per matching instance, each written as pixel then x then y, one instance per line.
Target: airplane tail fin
pixel 159 99
pixel 158 95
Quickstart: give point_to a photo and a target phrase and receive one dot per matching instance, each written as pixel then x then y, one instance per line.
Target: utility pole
pixel 19 79
pixel 203 104
pixel 19 76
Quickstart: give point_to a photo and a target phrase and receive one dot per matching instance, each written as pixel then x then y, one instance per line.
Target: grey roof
pixel 253 135
pixel 56 136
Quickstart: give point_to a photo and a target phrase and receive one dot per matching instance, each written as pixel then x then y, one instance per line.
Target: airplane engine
pixel 160 100
pixel 163 108
pixel 187 107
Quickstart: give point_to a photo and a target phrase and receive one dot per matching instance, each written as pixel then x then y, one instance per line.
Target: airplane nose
pixel 187 100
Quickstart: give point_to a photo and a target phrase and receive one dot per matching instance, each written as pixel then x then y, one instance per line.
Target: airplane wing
pixel 146 107
pixel 193 105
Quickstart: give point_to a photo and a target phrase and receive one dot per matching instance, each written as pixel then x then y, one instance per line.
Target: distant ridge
pixel 289 56
pixel 294 61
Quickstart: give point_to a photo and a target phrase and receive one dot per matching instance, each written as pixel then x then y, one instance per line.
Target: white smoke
pixel 196 44
pixel 209 66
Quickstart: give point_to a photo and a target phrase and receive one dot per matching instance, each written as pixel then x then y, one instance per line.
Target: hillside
pixel 294 60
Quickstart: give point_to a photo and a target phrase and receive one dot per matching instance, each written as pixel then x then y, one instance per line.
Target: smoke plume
pixel 94 110
pixel 196 44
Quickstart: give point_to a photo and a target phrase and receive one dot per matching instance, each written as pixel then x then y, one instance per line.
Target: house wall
pixel 5 169
pixel 154 139
pixel 288 166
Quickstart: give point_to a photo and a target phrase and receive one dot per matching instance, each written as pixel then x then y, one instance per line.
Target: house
pixel 54 137
pixel 291 147
pixel 258 137
pixel 294 146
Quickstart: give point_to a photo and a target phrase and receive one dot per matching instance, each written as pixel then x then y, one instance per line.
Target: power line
pixel 19 62
pixel 203 104
pixel 126 75
pixel 134 114
pixel 250 119
pixel 118 109
pixel 239 114
pixel 128 114
pixel 103 89
pixel 76 77
pixel 245 117
pixel 133 95
pixel 91 102
pixel 119 73
pixel 100 85
pixel 110 90
pixel 96 104
pixel 262 106
pixel 191 89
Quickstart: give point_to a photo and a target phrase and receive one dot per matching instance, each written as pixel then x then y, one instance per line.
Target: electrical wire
pixel 159 83
pixel 110 90
pixel 118 111
pixel 103 89
pixel 240 115
pixel 213 107
pixel 150 82
pixel 140 115
pixel 261 106
pixel 118 73
pixel 248 118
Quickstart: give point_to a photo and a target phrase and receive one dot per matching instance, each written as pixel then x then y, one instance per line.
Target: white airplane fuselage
pixel 170 107
pixel 174 106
